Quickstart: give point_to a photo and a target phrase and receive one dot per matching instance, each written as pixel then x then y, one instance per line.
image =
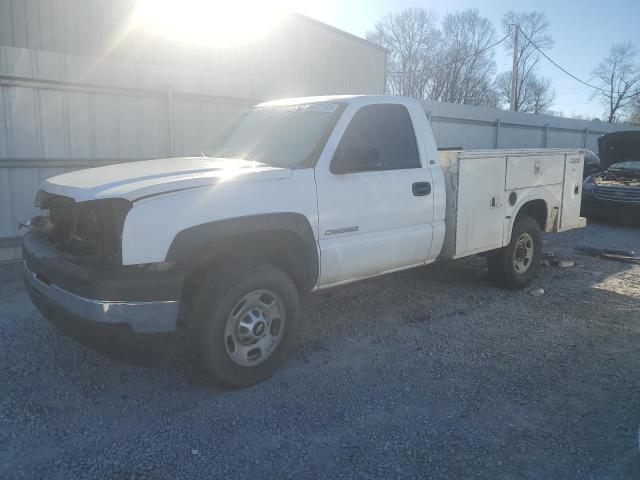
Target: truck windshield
pixel 283 136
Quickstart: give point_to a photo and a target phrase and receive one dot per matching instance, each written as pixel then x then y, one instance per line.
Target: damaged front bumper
pixel 147 301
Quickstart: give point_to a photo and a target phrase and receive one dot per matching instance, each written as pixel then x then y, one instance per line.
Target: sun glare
pixel 209 22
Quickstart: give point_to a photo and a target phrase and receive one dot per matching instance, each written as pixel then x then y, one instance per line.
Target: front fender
pixel 153 224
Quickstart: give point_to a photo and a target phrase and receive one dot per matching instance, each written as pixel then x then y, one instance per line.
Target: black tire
pixel 501 262
pixel 210 309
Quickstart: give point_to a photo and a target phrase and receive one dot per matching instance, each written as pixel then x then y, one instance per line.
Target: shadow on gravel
pixel 619 220
pixel 121 343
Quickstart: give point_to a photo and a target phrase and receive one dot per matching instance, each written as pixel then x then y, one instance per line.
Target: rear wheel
pixel 515 265
pixel 242 324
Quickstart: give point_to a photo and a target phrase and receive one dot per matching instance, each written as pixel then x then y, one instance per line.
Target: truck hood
pixel 135 180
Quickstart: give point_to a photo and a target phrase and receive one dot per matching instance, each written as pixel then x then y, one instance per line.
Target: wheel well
pixel 536 209
pixel 281 248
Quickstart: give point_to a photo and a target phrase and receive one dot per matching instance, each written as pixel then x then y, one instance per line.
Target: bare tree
pixel 535 96
pixel 454 64
pixel 534 26
pixel 542 95
pixel 619 78
pixel 411 36
pixel 466 38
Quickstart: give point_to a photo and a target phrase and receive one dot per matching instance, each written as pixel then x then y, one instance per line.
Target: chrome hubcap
pixel 523 253
pixel 254 328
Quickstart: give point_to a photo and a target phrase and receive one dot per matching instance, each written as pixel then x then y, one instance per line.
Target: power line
pixel 458 60
pixel 570 104
pixel 554 63
pixel 575 90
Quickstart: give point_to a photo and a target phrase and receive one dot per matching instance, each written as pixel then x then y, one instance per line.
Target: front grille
pixel 618 193
pixel 86 228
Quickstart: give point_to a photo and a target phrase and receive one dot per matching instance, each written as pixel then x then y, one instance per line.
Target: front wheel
pixel 242 323
pixel 515 265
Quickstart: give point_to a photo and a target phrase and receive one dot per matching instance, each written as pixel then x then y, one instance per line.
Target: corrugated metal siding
pixel 480 128
pixel 299 57
pixel 75 92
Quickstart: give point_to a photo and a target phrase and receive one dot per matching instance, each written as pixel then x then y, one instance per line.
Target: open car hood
pixel 618 147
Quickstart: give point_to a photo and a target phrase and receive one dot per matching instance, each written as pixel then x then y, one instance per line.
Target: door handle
pixel 420 189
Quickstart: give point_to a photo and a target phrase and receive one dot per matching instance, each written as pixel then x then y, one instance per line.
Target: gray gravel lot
pixel 430 373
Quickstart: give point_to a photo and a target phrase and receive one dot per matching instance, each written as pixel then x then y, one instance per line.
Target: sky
pixel 582 31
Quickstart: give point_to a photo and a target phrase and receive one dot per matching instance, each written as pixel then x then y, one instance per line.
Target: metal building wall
pixel 297 56
pixel 75 91
pixel 480 127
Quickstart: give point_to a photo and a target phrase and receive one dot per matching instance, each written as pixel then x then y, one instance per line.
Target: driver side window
pixel 379 137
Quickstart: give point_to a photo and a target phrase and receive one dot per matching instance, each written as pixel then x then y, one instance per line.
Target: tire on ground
pixel 501 262
pixel 210 308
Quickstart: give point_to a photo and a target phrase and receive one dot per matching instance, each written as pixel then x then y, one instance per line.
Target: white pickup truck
pixel 295 196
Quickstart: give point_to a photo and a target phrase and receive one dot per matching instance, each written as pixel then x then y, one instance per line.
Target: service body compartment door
pixel 571 193
pixel 533 171
pixel 481 199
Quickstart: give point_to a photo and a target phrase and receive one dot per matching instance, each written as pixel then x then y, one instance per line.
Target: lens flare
pixel 208 22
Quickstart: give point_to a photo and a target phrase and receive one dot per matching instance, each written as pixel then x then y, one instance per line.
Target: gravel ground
pixel 430 373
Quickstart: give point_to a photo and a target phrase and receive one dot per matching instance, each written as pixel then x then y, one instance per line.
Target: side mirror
pixel 356 159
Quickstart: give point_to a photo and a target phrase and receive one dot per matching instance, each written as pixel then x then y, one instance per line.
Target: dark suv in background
pixel 614 190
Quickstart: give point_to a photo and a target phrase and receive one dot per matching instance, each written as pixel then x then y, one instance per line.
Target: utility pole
pixel 514 69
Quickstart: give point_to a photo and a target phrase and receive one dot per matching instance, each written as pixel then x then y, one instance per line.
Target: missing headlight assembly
pixel 92 228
